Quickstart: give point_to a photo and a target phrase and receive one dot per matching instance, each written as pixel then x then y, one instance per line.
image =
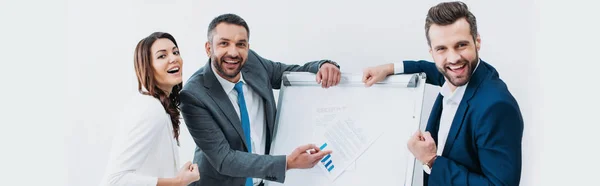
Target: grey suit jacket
pixel 221 153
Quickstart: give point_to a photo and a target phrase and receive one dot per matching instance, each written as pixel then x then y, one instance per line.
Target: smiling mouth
pixel 233 62
pixel 456 67
pixel 173 70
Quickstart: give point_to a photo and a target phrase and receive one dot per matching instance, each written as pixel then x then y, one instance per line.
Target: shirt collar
pixel 456 96
pixel 227 86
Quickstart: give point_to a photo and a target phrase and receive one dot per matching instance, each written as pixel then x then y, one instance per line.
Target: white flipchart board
pixel 393 105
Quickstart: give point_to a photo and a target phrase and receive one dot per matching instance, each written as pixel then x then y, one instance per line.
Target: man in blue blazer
pixel 475 119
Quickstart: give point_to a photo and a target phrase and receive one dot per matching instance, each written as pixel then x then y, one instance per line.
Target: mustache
pixel 461 62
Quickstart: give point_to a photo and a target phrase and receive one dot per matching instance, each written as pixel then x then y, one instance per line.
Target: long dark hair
pixel 145 76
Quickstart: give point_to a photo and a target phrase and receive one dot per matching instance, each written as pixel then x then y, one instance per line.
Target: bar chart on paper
pixel 327 162
pixel 348 140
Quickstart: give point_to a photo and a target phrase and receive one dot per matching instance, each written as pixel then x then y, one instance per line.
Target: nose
pixel 232 51
pixel 172 59
pixel 453 57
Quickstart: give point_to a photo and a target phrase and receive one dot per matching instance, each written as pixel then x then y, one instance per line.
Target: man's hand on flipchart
pixel 376 74
pixel 329 75
pixel 422 146
pixel 305 156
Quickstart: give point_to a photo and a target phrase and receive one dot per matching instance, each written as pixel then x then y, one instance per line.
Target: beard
pixel 463 79
pixel 218 63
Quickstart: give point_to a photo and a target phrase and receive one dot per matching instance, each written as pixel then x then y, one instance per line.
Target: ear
pixel 478 42
pixel 430 51
pixel 207 47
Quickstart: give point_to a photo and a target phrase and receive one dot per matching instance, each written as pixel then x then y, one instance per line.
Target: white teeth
pixel 173 69
pixel 456 67
pixel 231 61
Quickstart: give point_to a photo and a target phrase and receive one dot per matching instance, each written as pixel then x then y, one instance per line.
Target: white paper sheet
pixel 345 135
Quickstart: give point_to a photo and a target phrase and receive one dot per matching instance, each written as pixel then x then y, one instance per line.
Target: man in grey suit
pixel 229 109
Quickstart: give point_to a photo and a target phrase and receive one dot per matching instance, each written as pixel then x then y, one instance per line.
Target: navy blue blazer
pixel 484 141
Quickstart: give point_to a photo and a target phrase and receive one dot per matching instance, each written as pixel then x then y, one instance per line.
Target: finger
pixel 298 150
pixel 319 76
pixel 324 78
pixel 337 77
pixel 195 167
pixel 187 164
pixel 322 154
pixel 316 149
pixel 306 147
pixel 317 160
pixel 366 75
pixel 427 136
pixel 409 143
pixel 372 80
pixel 331 77
pixel 417 135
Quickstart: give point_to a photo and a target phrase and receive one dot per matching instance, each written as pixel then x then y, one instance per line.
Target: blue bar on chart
pixel 330 168
pixel 326 158
pixel 323 146
pixel 327 164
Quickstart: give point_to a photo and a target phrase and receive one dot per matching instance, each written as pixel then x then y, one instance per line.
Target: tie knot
pixel 238 87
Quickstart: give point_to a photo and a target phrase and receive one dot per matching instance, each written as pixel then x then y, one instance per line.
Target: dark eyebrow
pixel 163 50
pixel 463 42
pixel 175 48
pixel 242 41
pixel 225 39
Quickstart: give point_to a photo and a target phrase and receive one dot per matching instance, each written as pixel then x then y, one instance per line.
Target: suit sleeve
pixel 498 139
pixel 132 145
pixel 434 76
pixel 210 139
pixel 276 69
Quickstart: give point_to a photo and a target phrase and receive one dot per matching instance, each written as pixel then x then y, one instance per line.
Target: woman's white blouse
pixel 144 148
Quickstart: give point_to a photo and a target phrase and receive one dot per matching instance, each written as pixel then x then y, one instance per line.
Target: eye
pixel 242 45
pixel 162 56
pixel 440 49
pixel 223 44
pixel 176 52
pixel 462 45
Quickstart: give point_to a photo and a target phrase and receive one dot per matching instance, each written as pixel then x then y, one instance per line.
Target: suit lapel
pixel 434 118
pixel 463 107
pixel 456 124
pixel 255 82
pixel 218 95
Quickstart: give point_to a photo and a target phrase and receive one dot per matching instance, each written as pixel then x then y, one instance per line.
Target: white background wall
pixel 67 66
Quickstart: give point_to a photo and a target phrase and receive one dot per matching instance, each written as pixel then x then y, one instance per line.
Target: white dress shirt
pixel 256 112
pixel 450 103
pixel 144 148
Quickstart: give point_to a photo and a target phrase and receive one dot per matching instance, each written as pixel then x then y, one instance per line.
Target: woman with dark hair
pixel 146 146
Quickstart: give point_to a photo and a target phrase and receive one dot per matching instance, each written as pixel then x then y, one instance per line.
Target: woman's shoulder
pixel 143 107
pixel 144 102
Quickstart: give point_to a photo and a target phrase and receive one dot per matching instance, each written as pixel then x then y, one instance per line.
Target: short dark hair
pixel 226 18
pixel 446 13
